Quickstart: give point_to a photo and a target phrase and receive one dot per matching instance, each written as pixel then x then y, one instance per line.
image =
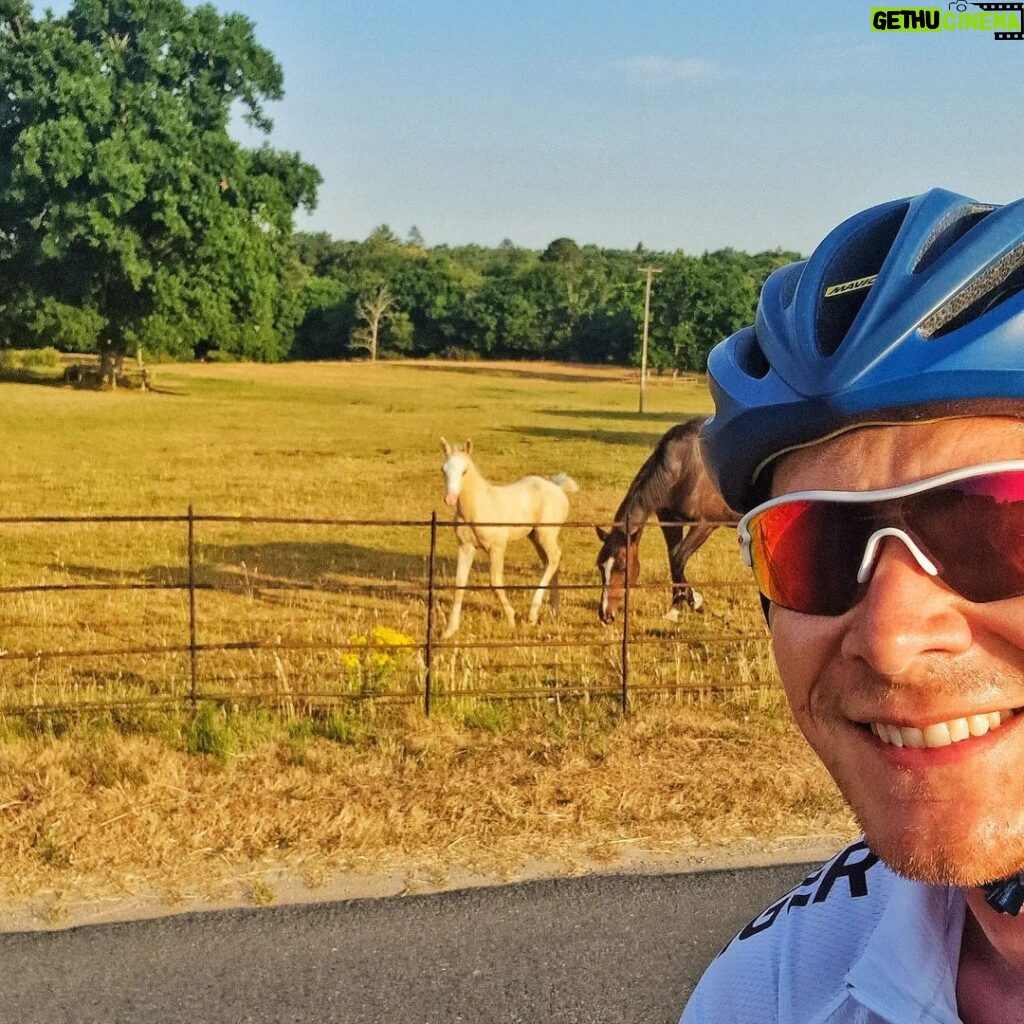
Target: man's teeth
pixel 941 734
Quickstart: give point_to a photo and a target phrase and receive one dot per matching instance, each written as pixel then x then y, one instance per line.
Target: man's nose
pixel 905 613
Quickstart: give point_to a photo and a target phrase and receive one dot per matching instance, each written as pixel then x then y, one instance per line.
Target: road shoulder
pixel 278 887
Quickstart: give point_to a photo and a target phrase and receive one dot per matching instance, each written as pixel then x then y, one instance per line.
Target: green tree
pixel 567 258
pixel 129 217
pixel 580 303
pixel 397 333
pixel 723 298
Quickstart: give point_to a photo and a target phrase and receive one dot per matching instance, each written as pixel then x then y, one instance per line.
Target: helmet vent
pixel 948 232
pixel 750 356
pixel 847 280
pixel 789 290
pixel 989 289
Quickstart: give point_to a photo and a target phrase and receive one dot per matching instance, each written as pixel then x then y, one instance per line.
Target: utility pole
pixel 650 272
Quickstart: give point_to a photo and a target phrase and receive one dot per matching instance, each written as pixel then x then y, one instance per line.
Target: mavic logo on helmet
pixel 1005 20
pixel 850 286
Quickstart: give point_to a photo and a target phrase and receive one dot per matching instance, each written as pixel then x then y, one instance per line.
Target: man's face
pixel 911 654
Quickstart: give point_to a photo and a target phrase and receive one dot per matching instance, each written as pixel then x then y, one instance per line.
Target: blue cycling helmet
pixel 911 310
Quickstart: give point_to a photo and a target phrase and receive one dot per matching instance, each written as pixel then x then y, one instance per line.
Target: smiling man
pixel 871 425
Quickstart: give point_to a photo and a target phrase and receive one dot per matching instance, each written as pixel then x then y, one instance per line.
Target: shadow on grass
pixel 309 562
pixel 324 567
pixel 20 375
pixel 246 566
pixel 638 439
pixel 485 369
pixel 48 378
pixel 608 414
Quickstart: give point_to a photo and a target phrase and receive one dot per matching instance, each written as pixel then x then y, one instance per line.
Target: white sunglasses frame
pixel 864 497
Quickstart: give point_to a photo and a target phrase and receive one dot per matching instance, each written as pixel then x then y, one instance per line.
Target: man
pixel 871 425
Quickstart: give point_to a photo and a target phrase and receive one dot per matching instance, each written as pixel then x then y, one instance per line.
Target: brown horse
pixel 673 485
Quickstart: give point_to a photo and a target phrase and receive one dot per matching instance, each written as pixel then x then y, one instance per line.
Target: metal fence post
pixel 429 653
pixel 624 698
pixel 193 691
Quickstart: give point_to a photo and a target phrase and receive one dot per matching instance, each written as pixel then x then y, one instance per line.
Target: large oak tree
pixel 129 216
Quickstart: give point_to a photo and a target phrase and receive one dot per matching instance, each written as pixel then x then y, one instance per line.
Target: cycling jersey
pixel 854 943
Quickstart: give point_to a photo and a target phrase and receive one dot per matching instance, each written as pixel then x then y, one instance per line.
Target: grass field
pixel 159 799
pixel 349 441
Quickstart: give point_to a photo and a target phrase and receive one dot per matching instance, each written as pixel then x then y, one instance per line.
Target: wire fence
pixel 306 617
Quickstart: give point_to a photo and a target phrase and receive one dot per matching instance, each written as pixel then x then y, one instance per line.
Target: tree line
pixel 132 221
pixel 388 296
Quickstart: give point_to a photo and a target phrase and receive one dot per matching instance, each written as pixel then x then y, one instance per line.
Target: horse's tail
pixel 566 482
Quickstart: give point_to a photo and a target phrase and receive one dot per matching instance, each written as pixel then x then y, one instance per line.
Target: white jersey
pixel 854 943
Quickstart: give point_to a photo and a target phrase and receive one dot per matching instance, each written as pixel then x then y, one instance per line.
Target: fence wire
pixel 200 601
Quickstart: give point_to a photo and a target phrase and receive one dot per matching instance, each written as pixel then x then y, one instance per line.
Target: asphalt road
pixel 597 950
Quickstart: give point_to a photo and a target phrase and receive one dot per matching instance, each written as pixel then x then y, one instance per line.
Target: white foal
pixel 489 516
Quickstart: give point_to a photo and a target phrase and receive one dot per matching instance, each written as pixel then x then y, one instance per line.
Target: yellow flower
pixel 372 655
pixel 390 637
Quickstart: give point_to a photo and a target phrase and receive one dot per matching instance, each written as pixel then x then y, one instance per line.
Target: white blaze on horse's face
pixel 454 470
pixel 606 573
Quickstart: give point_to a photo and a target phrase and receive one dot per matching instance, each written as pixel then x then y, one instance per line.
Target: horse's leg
pixel 462 567
pixel 545 540
pixel 497 556
pixel 674 532
pixel 554 595
pixel 686 595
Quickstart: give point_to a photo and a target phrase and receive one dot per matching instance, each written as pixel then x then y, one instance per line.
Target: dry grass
pixel 137 800
pixel 342 441
pixel 95 812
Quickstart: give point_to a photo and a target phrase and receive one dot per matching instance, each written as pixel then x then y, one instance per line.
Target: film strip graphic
pixel 1018 7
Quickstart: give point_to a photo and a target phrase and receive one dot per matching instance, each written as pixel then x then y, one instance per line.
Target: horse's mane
pixel 655 478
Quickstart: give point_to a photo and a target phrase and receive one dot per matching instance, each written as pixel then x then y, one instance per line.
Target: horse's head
pixel 612 560
pixel 456 462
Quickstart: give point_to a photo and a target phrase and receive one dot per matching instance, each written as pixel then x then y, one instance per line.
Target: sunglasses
pixel 813 551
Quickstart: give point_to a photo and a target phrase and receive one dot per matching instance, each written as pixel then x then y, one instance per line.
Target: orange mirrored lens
pixel 806 553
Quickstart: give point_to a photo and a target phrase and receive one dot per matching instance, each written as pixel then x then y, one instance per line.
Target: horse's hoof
pixel 672 615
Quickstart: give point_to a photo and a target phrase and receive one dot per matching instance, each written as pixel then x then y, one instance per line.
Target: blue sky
pixel 681 124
